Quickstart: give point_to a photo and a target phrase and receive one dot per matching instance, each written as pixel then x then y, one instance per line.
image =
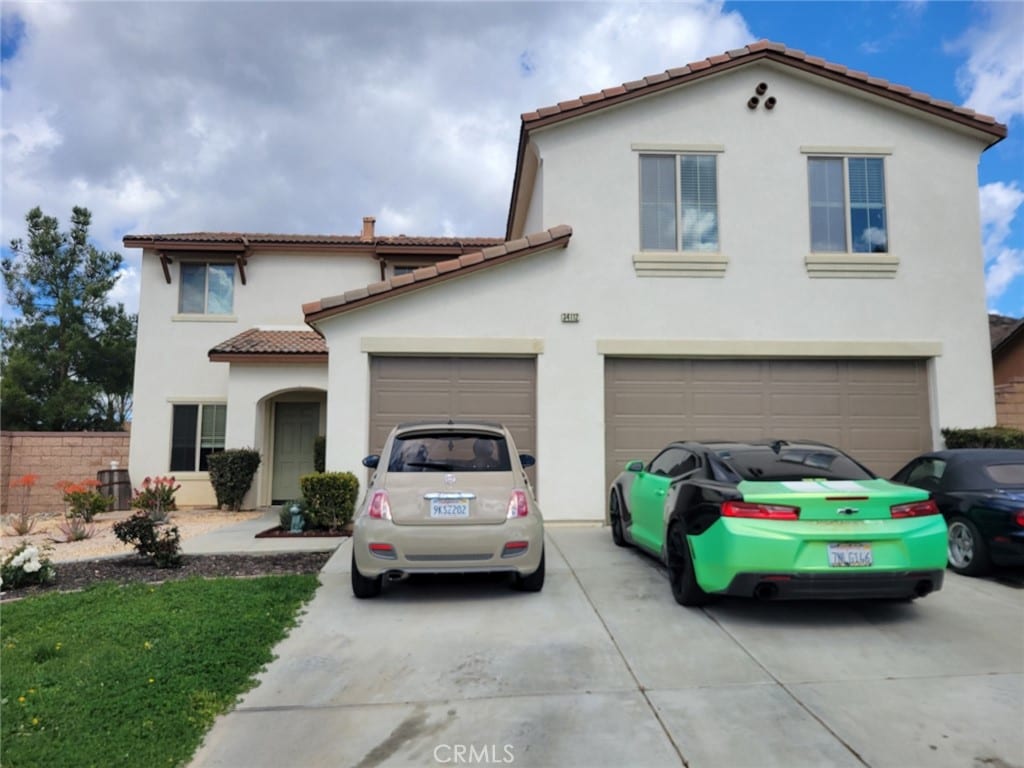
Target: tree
pixel 68 355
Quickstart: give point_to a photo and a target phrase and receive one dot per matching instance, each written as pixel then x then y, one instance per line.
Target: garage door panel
pixel 804 372
pixel 729 372
pixel 878 410
pixel 735 403
pixel 806 405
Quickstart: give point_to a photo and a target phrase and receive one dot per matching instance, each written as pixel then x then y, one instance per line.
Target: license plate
pixel 449 509
pixel 849 555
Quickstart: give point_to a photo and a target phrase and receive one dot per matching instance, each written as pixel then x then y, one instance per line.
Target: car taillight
pixel 1020 518
pixel 517 505
pixel 914 509
pixel 380 507
pixel 762 511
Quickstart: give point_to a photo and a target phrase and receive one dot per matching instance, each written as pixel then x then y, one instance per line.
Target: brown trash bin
pixel 114 484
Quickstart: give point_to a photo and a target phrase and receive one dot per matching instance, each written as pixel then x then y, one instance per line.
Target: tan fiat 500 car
pixel 447 498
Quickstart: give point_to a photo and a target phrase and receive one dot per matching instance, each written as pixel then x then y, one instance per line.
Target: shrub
pixel 156 497
pixel 23 522
pixel 231 474
pixel 285 515
pixel 331 498
pixel 25 565
pixel 320 454
pixel 984 437
pixel 83 499
pixel 163 547
pixel 75 529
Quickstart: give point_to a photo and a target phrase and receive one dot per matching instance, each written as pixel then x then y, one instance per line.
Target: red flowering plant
pixel 156 497
pixel 22 521
pixel 83 499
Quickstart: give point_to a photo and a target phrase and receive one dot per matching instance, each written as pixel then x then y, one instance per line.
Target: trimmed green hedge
pixel 330 498
pixel 984 437
pixel 231 474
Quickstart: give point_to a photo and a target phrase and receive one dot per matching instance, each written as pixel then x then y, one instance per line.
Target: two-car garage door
pixel 876 410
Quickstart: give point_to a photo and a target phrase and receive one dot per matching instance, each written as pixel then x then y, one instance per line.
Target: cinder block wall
pixel 55 457
pixel 1010 404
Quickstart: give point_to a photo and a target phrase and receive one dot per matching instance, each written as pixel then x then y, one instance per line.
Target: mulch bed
pixel 277 532
pixel 78 574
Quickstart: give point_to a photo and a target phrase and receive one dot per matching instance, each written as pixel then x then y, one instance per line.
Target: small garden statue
pixel 296 519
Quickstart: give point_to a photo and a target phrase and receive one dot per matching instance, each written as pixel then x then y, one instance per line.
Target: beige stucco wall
pixel 171 364
pixel 766 298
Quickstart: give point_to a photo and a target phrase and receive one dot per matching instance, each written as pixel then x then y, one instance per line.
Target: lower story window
pixel 196 432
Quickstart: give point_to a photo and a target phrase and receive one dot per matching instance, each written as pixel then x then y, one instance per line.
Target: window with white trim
pixel 847 205
pixel 206 288
pixel 679 202
pixel 197 430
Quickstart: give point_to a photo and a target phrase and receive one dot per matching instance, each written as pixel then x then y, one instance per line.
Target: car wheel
pixel 615 516
pixel 364 586
pixel 968 554
pixel 534 582
pixel 685 588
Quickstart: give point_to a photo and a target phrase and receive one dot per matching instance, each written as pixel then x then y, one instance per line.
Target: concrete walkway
pixel 602 668
pixel 241 538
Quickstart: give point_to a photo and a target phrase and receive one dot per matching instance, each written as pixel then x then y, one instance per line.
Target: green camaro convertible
pixel 778 519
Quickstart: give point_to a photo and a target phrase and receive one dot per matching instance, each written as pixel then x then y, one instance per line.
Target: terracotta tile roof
pixel 697 70
pixel 556 237
pixel 257 344
pixel 243 240
pixel 763 49
pixel 1001 328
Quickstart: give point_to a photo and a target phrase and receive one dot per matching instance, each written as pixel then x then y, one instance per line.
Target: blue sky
pixel 318 114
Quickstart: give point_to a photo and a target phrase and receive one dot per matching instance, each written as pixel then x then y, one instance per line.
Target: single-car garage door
pixel 876 410
pixel 502 389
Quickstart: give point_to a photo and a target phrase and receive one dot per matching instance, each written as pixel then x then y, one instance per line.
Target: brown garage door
pixel 485 388
pixel 876 410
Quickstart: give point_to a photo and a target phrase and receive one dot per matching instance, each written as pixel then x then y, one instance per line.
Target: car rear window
pixel 793 463
pixel 449 451
pixel 1006 474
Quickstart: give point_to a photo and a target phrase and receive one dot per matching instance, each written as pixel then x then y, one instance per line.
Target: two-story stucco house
pixel 761 244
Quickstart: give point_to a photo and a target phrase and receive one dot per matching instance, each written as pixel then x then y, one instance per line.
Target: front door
pixel 296 426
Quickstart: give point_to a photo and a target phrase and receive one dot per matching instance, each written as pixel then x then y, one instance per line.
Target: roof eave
pixel 557 237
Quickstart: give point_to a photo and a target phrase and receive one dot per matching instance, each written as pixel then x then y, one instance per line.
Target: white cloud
pixel 992 79
pixel 1003 263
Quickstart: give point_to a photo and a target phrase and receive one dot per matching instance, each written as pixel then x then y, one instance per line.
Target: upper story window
pixel 847 205
pixel 678 202
pixel 206 289
pixel 197 431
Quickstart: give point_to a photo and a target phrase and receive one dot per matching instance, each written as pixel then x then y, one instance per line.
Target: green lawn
pixel 134 676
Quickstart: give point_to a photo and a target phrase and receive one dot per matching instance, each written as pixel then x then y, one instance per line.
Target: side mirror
pixel 526 460
pixel 635 466
pixel 371 462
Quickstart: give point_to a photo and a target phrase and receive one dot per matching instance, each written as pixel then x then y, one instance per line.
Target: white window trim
pixel 181 316
pixel 681 263
pixel 201 402
pixel 850 264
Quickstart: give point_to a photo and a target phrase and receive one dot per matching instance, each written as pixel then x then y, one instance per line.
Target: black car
pixel 980 492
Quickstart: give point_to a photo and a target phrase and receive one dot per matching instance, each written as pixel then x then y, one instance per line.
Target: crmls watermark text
pixel 471 754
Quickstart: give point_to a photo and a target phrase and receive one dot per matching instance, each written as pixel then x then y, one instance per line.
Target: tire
pixel 534 582
pixel 364 586
pixel 685 588
pixel 968 553
pixel 615 517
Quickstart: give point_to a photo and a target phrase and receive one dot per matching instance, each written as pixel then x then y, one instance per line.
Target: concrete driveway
pixel 602 668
